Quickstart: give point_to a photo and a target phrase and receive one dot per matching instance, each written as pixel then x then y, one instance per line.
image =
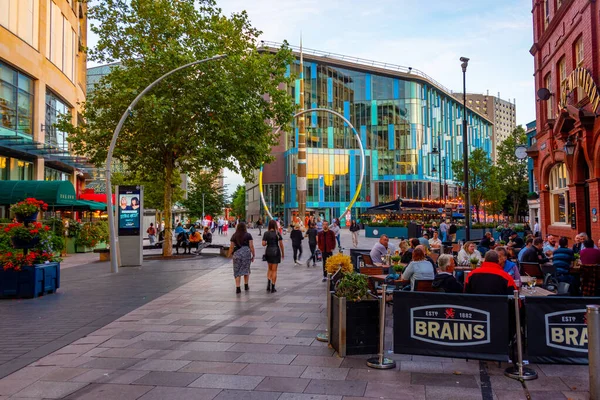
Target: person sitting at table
pixel 589 255
pixel 428 258
pixel 535 254
pixel 379 251
pixel 562 259
pixel 487 243
pixel 508 266
pixel 424 240
pixel 505 233
pixel 403 246
pixel 528 245
pixel 418 269
pixel 467 252
pixel 516 241
pixel 550 245
pixel 578 244
pixel 407 256
pixel 444 279
pixel 490 278
pixel 435 242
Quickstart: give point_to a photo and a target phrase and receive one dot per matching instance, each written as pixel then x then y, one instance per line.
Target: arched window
pixel 559 194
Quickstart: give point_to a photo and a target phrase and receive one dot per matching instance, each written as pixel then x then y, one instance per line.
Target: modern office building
pixel 42 76
pixel 501 112
pixel 566 156
pixel 401 115
pixel 533 198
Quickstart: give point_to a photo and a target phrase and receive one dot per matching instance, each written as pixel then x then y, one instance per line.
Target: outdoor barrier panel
pixel 452 325
pixel 557 329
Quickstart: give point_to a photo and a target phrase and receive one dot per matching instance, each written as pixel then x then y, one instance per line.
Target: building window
pixel 558 4
pixel 559 194
pixel 4 168
pixel 549 102
pixel 579 52
pixel 546 13
pixel 51 174
pixel 16 102
pixel 21 17
pixel 54 109
pixel 62 40
pixel 562 74
pixel 24 171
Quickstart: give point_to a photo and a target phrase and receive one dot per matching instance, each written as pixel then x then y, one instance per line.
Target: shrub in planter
pixel 355 318
pixel 28 209
pixel 337 261
pixel 23 236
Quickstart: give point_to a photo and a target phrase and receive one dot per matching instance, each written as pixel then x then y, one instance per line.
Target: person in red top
pixel 490 278
pixel 588 254
pixel 327 243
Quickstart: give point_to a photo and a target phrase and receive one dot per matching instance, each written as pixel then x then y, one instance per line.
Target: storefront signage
pixel 451 325
pixel 580 77
pixel 560 326
pixel 573 215
pixel 129 202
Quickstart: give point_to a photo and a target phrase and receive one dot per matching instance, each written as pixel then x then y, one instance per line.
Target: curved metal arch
pixel 362 161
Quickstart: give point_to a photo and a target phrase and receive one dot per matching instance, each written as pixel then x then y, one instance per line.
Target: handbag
pixel 265 257
pixel 318 255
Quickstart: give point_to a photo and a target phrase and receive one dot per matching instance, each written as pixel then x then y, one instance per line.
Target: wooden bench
pixel 104 254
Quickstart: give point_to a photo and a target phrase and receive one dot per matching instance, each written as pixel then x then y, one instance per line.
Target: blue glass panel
pixel 287 71
pixel 321 189
pixel 396 89
pixel 329 90
pixel 363 136
pixel 293 187
pixel 368 87
pixel 346 111
pixel 313 71
pixel 391 137
pixel 297 91
pixel 373 112
pixel 313 117
pixel 330 137
pixel 353 175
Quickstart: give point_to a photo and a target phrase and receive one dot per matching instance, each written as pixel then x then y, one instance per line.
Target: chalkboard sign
pixel 573 215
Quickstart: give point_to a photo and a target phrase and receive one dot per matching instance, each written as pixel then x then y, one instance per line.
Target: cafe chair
pixel 424 286
pixel 563 289
pixel 455 248
pixel 533 270
pixel 371 271
pixel 367 261
pixel 434 257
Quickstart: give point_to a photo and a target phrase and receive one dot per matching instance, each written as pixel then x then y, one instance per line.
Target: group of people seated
pixel 192 239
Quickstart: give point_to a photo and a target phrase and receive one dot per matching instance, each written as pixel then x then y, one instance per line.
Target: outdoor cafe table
pixel 534 292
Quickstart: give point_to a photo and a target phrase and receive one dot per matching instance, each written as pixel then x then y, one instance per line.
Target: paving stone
pixel 247 339
pixel 545 395
pixel 50 390
pixel 154 344
pixel 308 350
pixel 204 346
pixel 110 391
pixel 121 376
pixel 577 395
pixel 275 332
pixel 291 371
pixel 177 393
pixel 120 353
pixel 317 361
pixel 64 374
pixel 11 386
pixel 209 337
pixel 379 375
pixel 576 383
pixel 220 381
pixel 110 363
pixel 256 348
pixel 452 393
pixel 94 375
pixel 421 366
pixel 463 381
pixel 31 374
pixel 329 387
pixel 278 384
pixel 235 330
pixel 292 340
pixel 247 395
pixel 225 356
pixel 394 391
pixel 299 396
pixel 180 379
pixel 160 365
pixel 265 358
pixel 205 367
pixel 325 373
pixel 283 318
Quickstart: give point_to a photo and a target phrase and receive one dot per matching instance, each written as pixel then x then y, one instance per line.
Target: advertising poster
pixel 129 208
pixel 557 329
pixel 452 325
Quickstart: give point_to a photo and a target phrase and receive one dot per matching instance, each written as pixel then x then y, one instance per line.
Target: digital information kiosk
pixel 130 208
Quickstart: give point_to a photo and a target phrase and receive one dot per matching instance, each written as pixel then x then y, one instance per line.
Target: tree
pixel 153 188
pixel 214 115
pixel 214 198
pixel 238 202
pixel 480 173
pixel 494 194
pixel 514 171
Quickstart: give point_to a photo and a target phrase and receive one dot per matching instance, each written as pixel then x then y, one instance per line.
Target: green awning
pixel 92 205
pixel 55 193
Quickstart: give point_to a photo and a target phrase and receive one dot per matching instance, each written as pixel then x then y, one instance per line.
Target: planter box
pixel 392 232
pixel 354 326
pixel 83 249
pixel 70 245
pixel 30 282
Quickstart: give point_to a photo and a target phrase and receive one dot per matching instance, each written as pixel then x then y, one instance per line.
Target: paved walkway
pixel 202 341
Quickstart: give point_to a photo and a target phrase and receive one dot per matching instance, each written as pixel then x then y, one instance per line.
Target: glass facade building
pixel 400 119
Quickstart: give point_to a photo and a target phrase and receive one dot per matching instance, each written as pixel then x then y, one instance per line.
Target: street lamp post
pixel 465 63
pixel 114 241
pixel 202 207
pixel 438 151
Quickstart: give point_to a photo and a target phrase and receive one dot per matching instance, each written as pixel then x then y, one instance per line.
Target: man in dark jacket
pixel 311 234
pixel 444 280
pixel 535 254
pixel 490 278
pixel 327 243
pixel 297 237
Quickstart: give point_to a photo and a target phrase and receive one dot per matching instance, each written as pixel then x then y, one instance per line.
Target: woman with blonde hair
pixel 419 268
pixel 468 252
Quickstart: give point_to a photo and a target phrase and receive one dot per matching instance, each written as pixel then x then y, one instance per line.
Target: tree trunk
pixel 516 209
pixel 168 243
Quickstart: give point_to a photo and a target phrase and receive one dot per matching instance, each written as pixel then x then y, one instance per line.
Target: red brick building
pixel 567 153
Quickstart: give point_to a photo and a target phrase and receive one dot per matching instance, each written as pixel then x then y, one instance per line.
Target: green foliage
pixel 214 115
pixel 238 202
pixel 515 182
pixel 214 196
pixel 154 188
pixel 353 287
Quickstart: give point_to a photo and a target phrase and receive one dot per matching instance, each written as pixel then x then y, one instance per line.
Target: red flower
pixel 46 228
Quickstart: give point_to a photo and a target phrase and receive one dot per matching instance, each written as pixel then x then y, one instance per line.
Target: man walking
pixel 444 231
pixel 326 242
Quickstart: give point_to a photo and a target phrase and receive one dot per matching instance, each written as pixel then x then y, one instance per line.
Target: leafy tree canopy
pixel 238 202
pixel 515 182
pixel 205 196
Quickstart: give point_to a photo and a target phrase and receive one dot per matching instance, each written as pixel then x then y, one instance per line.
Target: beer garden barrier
pixel 486 327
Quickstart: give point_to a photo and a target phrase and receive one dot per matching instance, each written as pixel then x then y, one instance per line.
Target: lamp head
pixel 464 59
pixel 465 63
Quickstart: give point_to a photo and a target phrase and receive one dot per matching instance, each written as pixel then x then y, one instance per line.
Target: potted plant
pixel 23 236
pixel 354 317
pixel 398 268
pixel 474 261
pixel 87 238
pixel 339 261
pixel 395 259
pixel 28 209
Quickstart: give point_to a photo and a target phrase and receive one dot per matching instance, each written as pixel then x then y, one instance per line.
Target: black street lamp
pixel 465 63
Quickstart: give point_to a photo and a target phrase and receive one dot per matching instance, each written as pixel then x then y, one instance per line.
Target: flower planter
pixel 32 281
pixel 19 243
pixel 354 326
pixel 83 249
pixel 26 218
pixel 51 275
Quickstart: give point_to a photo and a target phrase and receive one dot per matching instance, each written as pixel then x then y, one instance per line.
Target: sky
pixel 429 36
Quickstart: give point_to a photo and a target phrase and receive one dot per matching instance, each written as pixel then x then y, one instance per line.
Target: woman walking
pixel 354 228
pixel 311 234
pixel 273 253
pixel 335 227
pixel 241 247
pixel 296 236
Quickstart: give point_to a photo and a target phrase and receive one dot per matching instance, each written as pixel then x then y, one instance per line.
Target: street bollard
pixel 324 337
pixel 381 362
pixel 593 326
pixel 518 371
